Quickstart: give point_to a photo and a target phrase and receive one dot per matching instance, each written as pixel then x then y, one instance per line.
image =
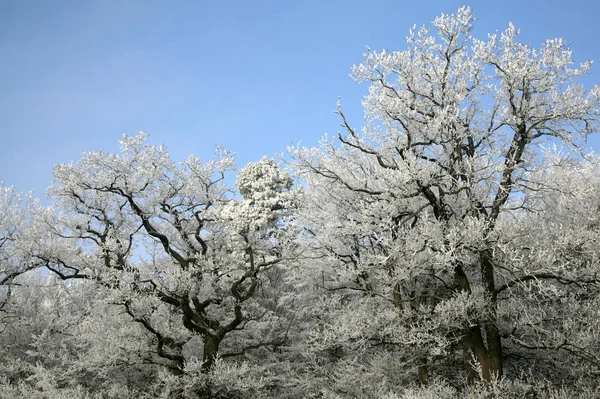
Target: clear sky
pixel 252 76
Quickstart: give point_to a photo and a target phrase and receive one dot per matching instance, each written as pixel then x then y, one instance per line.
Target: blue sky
pixel 252 76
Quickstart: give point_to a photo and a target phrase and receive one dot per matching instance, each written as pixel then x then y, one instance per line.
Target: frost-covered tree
pixel 414 218
pixel 552 288
pixel 17 237
pixel 181 253
pixel 64 339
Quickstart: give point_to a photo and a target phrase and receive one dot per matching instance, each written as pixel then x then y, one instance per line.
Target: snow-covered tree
pixel 180 253
pixel 18 239
pixel 64 339
pixel 414 217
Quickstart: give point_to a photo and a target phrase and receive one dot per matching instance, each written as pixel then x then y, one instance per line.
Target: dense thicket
pixel 449 247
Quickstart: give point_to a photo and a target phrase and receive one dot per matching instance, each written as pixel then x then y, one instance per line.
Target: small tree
pixel 421 202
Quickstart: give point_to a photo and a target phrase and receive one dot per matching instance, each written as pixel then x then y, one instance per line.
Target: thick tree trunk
pixel 481 356
pixel 482 344
pixel 418 358
pixel 493 340
pixel 422 369
pixel 211 349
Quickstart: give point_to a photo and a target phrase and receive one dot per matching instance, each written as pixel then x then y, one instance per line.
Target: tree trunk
pixel 211 349
pixel 493 340
pixel 481 356
pixel 422 369
pixel 418 358
pixel 482 345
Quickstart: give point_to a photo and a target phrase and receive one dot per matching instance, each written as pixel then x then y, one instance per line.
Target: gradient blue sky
pixel 252 76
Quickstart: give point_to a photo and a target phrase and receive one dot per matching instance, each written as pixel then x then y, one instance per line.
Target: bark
pixel 482 345
pixel 480 357
pixel 422 369
pixel 211 349
pixel 418 358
